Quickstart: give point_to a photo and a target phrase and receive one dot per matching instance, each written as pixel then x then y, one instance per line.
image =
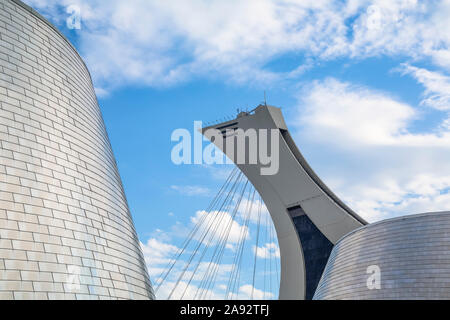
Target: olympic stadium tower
pixel 65 227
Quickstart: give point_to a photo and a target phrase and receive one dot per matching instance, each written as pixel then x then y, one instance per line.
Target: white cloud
pixel 185 291
pixel 231 247
pixel 192 190
pixel 390 27
pixel 357 115
pixel 158 254
pixel 399 196
pixel 100 92
pixel 408 28
pixel 381 168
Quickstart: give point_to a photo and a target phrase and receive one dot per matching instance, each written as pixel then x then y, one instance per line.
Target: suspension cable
pixel 188 239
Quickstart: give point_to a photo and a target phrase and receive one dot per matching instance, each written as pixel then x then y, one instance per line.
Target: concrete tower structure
pixel 65 227
pixel 326 250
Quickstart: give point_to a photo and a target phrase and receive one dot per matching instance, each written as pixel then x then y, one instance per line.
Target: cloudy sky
pixel 364 86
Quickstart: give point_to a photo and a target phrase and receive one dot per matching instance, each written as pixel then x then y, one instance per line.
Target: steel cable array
pixel 219 257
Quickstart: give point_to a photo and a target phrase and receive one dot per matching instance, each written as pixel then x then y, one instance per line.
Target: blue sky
pixel 364 86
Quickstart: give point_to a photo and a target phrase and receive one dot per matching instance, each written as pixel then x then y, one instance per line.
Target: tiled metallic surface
pixel 65 226
pixel 412 252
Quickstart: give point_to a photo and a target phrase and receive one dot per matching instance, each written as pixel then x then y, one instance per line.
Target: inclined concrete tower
pixel 326 250
pixel 65 227
pixel 308 217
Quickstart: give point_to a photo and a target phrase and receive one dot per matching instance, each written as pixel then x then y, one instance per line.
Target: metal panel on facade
pixel 65 228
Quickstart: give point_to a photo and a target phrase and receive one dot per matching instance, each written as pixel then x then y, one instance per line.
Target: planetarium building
pixel 65 228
